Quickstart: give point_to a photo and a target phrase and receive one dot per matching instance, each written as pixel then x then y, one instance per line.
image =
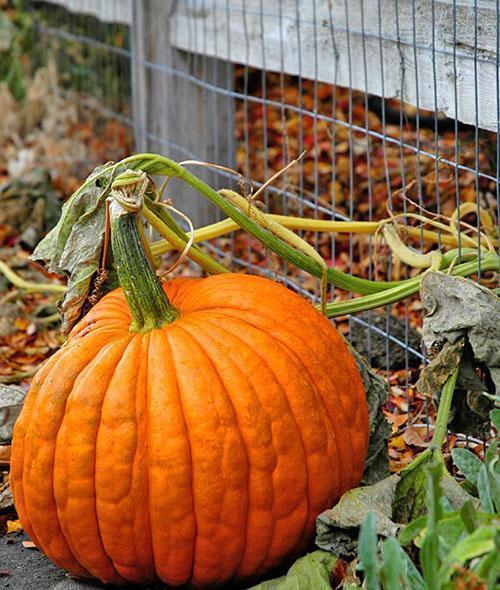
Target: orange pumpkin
pixel 200 451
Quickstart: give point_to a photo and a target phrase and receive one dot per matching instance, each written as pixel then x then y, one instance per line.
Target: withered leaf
pixel 377 391
pixel 74 247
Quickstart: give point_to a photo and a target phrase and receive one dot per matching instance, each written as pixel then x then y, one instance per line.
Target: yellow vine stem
pixel 189 243
pixel 408 255
pixel 280 231
pixel 144 183
pixel 320 225
pixel 20 283
pixel 487 223
pixel 175 242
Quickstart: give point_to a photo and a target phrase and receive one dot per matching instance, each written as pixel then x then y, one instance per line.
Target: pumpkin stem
pixel 149 305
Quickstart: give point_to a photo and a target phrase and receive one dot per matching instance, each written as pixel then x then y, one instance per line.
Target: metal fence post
pixel 173 113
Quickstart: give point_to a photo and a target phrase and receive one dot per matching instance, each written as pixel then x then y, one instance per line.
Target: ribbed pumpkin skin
pixel 200 452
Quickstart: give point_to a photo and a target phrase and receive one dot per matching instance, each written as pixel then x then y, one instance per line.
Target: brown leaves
pixel 14 526
pixel 66 135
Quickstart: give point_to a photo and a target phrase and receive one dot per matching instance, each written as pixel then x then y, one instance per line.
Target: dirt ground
pixel 28 569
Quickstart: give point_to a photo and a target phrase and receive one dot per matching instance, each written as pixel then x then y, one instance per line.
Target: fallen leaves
pixel 64 134
pixel 14 526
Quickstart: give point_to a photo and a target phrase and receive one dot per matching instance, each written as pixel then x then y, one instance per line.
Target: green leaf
pixel 450 528
pixel 368 553
pixel 468 516
pixel 483 487
pixel 478 543
pixel 434 492
pixel 391 569
pixel 409 577
pixel 487 565
pixel 492 451
pixel 411 495
pixel 495 418
pixel 429 554
pixel 467 463
pixel 311 572
pixel 337 528
pixel 454 493
pixel 429 559
pixel 494 482
pixel 412 530
pixel 74 247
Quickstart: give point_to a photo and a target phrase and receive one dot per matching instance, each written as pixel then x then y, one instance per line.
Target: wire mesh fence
pixel 395 102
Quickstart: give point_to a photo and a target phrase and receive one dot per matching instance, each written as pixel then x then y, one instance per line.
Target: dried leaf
pixel 337 528
pixel 377 461
pixel 14 526
pixel 74 247
pixel 462 325
pixel 435 374
pixel 6 500
pixel 11 402
pixel 5 453
pixel 457 308
pixel 413 437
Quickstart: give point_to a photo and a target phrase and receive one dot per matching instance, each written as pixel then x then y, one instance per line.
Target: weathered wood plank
pixel 173 115
pixel 383 47
pixel 115 11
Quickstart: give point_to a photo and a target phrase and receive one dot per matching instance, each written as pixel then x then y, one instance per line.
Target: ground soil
pixel 24 568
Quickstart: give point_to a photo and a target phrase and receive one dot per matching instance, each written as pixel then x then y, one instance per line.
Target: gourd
pixel 190 432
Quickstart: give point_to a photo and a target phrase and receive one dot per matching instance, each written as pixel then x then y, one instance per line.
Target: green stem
pixel 443 414
pixel 149 305
pixel 20 283
pixel 154 216
pixel 440 427
pixel 490 261
pixel 395 290
pixel 155 164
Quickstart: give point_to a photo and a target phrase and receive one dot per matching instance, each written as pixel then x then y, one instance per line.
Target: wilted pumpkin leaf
pixel 11 402
pixel 6 500
pixel 395 500
pixel 337 528
pixel 435 374
pixel 74 247
pixel 377 460
pixel 311 572
pixel 457 308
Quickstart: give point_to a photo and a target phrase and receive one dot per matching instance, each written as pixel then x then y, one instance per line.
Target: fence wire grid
pixel 384 95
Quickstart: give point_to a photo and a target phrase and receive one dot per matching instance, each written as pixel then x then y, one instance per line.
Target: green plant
pixel 451 544
pixel 15 41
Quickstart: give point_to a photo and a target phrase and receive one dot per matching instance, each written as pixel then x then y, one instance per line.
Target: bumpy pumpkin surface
pixel 199 452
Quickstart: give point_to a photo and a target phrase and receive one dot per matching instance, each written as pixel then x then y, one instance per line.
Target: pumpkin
pixel 196 450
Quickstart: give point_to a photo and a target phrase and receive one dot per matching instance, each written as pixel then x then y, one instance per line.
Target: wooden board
pixel 173 115
pixel 383 47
